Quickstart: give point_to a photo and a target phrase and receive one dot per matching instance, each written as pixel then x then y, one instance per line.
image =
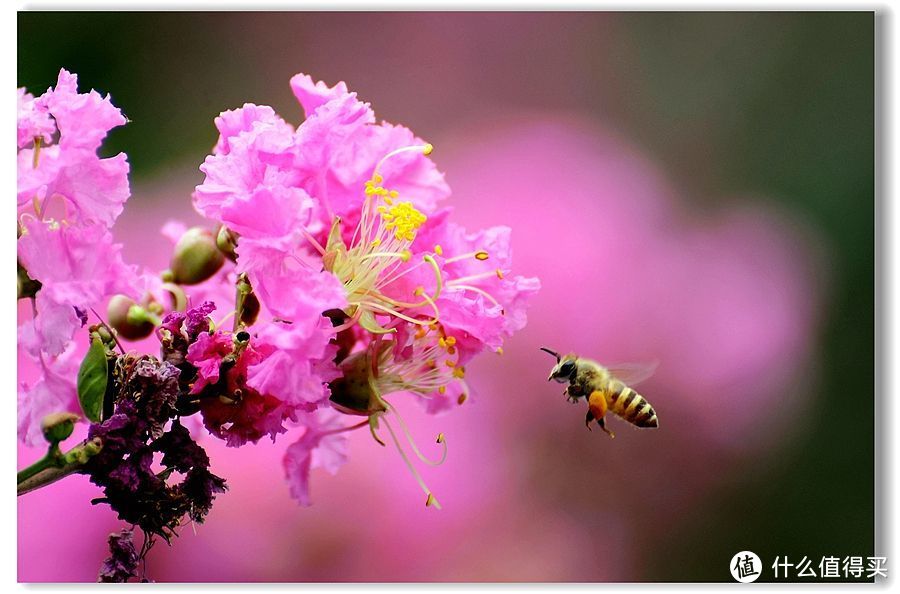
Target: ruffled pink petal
pixel 206 355
pixel 53 391
pixel 52 330
pixel 318 447
pixel 83 119
pixel 33 121
pixel 296 362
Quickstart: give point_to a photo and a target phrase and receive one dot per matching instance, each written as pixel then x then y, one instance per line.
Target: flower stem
pixel 52 459
pixel 55 465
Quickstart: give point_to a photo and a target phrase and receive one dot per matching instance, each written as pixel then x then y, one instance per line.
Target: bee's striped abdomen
pixel 631 406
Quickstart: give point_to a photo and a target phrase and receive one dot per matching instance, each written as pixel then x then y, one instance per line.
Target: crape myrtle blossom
pixel 77 267
pixel 338 216
pixel 91 189
pixel 329 285
pixel 67 199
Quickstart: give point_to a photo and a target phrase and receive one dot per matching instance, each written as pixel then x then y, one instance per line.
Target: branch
pixel 56 465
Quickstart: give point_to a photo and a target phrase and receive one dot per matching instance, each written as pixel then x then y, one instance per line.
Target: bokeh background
pixel 693 188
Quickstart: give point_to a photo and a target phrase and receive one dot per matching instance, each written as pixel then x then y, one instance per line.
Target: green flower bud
pixel 352 392
pixel 129 319
pixel 251 309
pixel 226 240
pixel 196 257
pixel 58 426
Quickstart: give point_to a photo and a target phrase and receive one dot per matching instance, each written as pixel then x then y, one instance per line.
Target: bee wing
pixel 632 373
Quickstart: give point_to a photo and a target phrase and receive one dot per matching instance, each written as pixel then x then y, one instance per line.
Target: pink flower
pixel 231 409
pixel 53 391
pixel 206 354
pixel 255 149
pixel 339 146
pixel 330 156
pixel 77 268
pixel 33 121
pixel 326 217
pixel 52 330
pixel 296 361
pixel 83 119
pixel 480 298
pixel 322 445
pixel 95 188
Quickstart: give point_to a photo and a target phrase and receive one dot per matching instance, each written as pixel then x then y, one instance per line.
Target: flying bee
pixel 605 389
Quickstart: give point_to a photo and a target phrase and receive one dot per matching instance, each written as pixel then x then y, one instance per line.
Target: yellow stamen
pixel 438 250
pixel 481 255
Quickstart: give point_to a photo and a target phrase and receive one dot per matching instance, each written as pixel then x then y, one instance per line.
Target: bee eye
pixel 567 368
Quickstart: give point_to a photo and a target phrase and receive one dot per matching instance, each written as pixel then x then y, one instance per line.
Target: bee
pixel 605 389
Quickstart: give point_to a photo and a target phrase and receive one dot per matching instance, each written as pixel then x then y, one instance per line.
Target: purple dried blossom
pixel 122 563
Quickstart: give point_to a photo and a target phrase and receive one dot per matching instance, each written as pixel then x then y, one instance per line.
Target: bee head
pixel 565 367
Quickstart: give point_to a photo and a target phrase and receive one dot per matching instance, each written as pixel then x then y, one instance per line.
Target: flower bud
pixel 124 315
pixel 352 393
pixel 196 257
pixel 58 426
pixel 27 286
pixel 251 309
pixel 226 241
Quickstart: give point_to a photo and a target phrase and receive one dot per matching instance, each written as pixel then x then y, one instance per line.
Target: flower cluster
pixel 367 288
pixel 331 284
pixel 68 198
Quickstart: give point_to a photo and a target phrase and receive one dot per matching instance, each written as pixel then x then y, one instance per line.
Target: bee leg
pixel 602 422
pixel 587 420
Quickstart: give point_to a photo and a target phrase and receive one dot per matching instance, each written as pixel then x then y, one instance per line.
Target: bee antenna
pixel 554 353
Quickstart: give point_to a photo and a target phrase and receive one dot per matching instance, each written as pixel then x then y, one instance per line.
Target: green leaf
pixel 92 378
